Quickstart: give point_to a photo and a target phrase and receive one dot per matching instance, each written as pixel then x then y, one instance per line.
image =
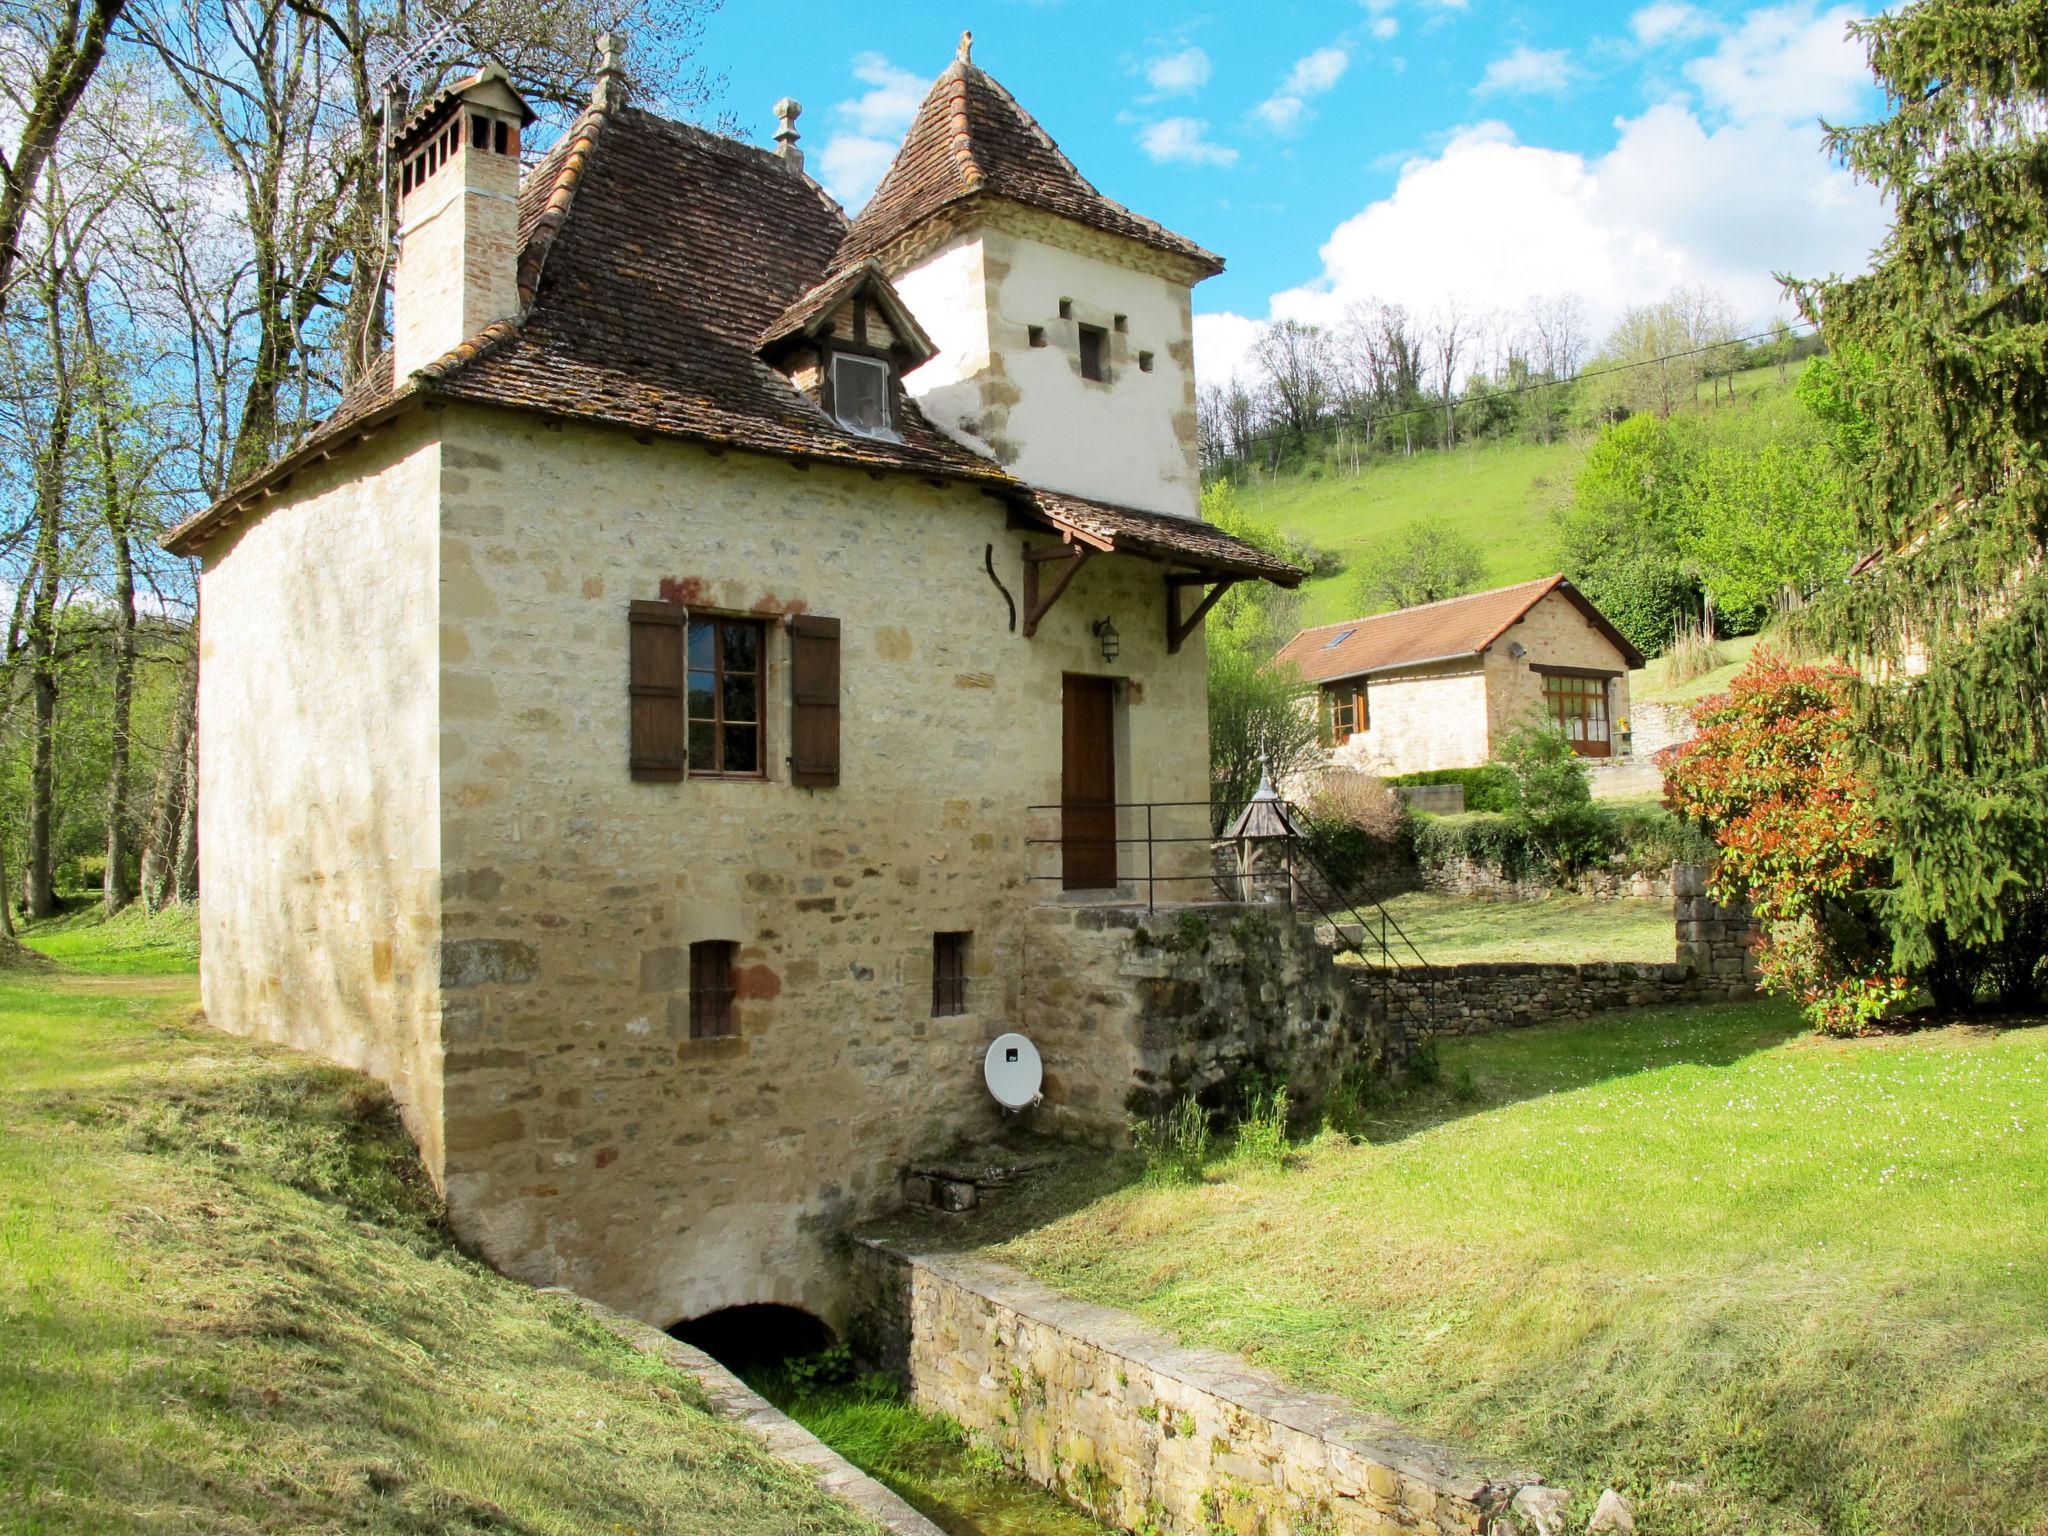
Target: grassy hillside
pixel 1760 1282
pixel 227 1305
pixel 1499 495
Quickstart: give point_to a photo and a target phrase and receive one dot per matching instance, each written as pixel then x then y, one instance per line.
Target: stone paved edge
pixel 783 1438
pixel 1229 1377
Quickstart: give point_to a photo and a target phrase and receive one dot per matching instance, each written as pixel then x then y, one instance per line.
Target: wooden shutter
pixel 814 702
pixel 658 636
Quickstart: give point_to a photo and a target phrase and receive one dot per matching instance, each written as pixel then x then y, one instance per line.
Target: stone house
pixel 1437 686
pixel 622 714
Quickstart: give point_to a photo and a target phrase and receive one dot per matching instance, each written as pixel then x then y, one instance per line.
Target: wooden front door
pixel 1088 785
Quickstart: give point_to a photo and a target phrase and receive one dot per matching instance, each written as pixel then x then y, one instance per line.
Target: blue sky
pixel 1473 152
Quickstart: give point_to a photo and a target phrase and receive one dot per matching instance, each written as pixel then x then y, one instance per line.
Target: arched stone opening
pixel 755 1335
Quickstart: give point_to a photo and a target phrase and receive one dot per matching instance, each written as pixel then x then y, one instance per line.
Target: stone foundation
pixel 1133 1010
pixel 1147 1434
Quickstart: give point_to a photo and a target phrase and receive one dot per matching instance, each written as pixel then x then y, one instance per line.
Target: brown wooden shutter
pixel 659 634
pixel 814 702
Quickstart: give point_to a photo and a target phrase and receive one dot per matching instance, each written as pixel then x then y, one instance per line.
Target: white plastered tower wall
pixel 1005 271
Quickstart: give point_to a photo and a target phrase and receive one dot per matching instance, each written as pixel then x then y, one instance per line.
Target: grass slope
pixel 1498 494
pixel 1455 930
pixel 1758 1281
pixel 227 1305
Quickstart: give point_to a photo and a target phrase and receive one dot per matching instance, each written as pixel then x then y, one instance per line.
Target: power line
pixel 1792 328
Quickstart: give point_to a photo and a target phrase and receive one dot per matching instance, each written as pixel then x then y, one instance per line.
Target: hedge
pixel 1637 838
pixel 1487 788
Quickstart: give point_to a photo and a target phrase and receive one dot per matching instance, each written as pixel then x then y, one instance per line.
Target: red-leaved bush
pixel 1769 773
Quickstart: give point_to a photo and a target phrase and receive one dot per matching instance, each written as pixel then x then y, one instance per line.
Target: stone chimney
pixel 458 218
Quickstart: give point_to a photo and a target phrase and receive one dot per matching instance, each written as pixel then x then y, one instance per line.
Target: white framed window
pixel 860 396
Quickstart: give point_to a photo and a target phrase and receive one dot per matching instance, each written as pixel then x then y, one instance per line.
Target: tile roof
pixel 654 259
pixel 1457 626
pixel 1160 536
pixel 971 138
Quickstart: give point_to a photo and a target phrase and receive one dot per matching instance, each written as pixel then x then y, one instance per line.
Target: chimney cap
pixel 486 84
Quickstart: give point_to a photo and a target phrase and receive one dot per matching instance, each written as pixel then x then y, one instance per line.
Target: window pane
pixel 860 396
pixel 703 752
pixel 741 646
pixel 740 693
pixel 703 696
pixel 742 749
pixel 703 643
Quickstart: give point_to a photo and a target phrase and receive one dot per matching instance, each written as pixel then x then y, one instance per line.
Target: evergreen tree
pixel 1949 622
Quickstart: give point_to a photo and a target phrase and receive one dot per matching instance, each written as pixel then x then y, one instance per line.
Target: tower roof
pixel 970 139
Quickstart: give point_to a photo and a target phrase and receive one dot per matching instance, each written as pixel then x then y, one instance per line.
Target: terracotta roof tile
pixel 1162 536
pixel 971 138
pixel 1458 626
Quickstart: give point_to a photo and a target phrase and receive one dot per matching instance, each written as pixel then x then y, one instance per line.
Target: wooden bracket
pixel 1177 628
pixel 1070 557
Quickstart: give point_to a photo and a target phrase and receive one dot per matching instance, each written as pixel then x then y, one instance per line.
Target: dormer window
pixel 860 396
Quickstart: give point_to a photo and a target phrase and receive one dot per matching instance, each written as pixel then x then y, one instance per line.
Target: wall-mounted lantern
pixel 1106 635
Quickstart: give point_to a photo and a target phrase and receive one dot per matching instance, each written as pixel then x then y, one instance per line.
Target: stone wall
pixel 592 1141
pixel 1485 882
pixel 1133 1010
pixel 1144 1432
pixel 319 914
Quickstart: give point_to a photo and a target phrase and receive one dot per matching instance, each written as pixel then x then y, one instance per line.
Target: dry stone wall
pixel 1133 1010
pixel 1148 1434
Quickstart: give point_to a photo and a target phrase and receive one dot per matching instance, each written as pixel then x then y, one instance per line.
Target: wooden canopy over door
pixel 1088 859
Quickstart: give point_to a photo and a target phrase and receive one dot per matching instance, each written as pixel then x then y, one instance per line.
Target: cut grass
pixel 1650 685
pixel 1756 1280
pixel 1455 930
pixel 227 1304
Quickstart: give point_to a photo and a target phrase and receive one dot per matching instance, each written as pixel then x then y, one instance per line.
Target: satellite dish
pixel 1013 1071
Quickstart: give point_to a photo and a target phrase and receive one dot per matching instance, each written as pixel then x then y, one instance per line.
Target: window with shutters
pixel 1345 713
pixel 814 701
pixel 658 750
pixel 949 974
pixel 711 988
pixel 726 662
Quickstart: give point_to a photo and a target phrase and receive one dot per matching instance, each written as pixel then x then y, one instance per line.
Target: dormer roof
pixel 812 315
pixel 972 139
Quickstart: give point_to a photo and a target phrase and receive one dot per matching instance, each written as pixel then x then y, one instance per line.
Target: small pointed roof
pixel 972 139
pixel 1265 814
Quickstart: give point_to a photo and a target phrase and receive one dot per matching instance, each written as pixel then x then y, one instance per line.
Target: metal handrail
pixel 1390 961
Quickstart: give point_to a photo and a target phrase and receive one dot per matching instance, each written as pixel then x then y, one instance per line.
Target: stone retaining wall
pixel 781 1436
pixel 1147 1434
pixel 1466 877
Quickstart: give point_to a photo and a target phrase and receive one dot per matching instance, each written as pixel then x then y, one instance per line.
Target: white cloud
pixel 1669 22
pixel 1527 72
pixel 1312 75
pixel 1384 27
pixel 1493 223
pixel 868 129
pixel 1785 62
pixel 1184 140
pixel 1178 74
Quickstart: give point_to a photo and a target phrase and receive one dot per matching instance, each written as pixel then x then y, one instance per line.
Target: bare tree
pixel 1294 360
pixel 1559 338
pixel 1446 340
pixel 49 52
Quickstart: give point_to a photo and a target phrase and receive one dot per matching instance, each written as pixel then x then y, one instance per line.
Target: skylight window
pixel 860 396
pixel 1338 639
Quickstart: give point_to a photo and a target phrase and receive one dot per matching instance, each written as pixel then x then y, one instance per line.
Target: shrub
pixel 1550 796
pixel 1650 838
pixel 1694 651
pixel 1478 837
pixel 1486 789
pixel 1349 822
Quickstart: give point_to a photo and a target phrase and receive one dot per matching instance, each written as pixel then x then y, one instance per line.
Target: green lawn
pixel 1758 1281
pixel 227 1304
pixel 131 943
pixel 1497 494
pixel 1456 930
pixel 1654 684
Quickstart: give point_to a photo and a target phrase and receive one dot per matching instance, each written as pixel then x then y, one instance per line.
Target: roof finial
pixel 611 70
pixel 966 54
pixel 787 111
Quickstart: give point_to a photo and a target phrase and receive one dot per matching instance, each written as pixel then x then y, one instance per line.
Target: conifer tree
pixel 1948 619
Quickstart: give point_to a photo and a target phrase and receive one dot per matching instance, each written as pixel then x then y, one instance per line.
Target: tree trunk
pixel 160 851
pixel 114 891
pixel 6 896
pixel 39 879
pixel 187 884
